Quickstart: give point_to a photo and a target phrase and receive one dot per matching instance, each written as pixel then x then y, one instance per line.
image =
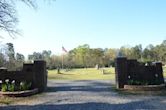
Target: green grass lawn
pixel 164 70
pixel 82 74
pixel 85 74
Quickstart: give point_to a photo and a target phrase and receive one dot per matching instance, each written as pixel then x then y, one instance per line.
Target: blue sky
pixel 99 23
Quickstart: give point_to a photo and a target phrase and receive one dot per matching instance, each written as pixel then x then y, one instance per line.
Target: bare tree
pixel 8 15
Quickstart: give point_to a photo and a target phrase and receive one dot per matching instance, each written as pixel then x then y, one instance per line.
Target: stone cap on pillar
pixel 3 69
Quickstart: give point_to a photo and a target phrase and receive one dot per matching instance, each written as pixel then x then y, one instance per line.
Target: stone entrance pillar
pixel 121 71
pixel 40 74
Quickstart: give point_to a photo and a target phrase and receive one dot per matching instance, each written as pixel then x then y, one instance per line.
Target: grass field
pixel 82 74
pixel 85 74
pixel 164 70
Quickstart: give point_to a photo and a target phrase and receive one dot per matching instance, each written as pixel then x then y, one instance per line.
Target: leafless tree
pixel 8 15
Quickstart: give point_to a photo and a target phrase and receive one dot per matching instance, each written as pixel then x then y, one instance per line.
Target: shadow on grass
pixel 65 73
pixel 85 106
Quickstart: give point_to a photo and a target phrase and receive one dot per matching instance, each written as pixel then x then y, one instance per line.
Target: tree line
pixel 83 56
pixel 10 59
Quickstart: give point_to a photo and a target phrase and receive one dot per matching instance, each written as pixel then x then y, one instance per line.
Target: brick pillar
pixel 121 71
pixel 41 75
pixel 159 71
pixel 3 72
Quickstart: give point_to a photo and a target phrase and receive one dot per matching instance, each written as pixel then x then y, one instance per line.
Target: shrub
pixel 11 87
pixel 25 86
pixel 4 87
pixel 7 86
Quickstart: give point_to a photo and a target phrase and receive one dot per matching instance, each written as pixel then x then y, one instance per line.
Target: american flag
pixel 63 49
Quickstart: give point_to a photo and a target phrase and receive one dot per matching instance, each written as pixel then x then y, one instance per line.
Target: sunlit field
pixel 85 74
pixel 164 70
pixel 82 74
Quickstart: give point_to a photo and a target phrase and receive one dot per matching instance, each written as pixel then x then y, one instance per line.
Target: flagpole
pixel 64 50
pixel 62 60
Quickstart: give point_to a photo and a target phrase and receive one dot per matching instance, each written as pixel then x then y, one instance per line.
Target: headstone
pixel 102 71
pixel 58 70
pixel 97 66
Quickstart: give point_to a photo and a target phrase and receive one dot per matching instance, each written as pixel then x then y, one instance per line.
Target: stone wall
pixel 133 70
pixel 35 73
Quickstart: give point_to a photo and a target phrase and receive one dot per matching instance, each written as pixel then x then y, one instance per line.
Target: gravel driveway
pixel 86 95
